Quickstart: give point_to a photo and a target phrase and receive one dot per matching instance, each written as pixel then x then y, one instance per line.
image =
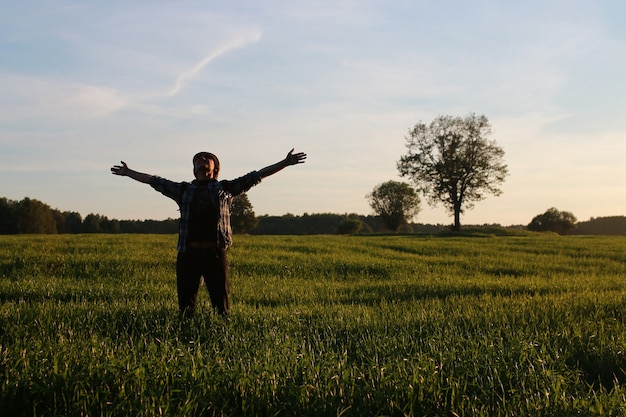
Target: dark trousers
pixel 210 264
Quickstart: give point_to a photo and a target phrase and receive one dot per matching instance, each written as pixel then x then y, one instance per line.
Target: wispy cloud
pixel 33 98
pixel 192 72
pixel 94 100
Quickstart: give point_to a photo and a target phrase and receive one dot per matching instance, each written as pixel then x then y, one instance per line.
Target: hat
pixel 216 161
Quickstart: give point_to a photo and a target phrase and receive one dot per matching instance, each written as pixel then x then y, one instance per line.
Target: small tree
pixel 452 162
pixel 553 220
pixel 242 217
pixel 395 202
pixel 349 226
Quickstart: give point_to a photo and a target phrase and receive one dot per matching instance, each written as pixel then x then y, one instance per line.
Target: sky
pixel 87 84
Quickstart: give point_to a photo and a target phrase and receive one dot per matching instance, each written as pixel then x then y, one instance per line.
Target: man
pixel 205 233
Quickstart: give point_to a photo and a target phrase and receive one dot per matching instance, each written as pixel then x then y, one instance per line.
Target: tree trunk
pixel 457 218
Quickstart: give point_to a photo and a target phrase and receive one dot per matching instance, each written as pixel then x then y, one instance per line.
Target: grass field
pixel 527 325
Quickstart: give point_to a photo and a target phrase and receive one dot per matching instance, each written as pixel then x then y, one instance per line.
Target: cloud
pixel 93 100
pixel 33 98
pixel 192 72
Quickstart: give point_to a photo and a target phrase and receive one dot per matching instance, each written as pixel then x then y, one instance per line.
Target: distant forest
pixel 30 216
pixel 613 225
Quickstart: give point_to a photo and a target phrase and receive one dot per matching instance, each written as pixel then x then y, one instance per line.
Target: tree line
pixel 610 225
pixel 31 216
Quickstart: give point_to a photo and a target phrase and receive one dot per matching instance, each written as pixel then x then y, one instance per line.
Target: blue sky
pixel 85 84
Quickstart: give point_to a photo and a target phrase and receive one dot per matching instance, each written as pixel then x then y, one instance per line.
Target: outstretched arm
pixel 290 159
pixel 124 171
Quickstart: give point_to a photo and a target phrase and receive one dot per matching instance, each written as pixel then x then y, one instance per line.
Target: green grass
pixel 479 324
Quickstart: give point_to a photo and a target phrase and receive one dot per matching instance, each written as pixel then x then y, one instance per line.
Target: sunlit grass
pixel 320 325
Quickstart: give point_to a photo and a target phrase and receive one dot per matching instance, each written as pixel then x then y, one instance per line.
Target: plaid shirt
pixel 222 194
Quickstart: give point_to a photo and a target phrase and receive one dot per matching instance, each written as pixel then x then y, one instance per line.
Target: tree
pixel 349 226
pixel 553 220
pixel 8 216
pixel 109 226
pixel 67 221
pixel 33 216
pixel 73 222
pixel 242 217
pixel 451 161
pixel 91 224
pixel 395 202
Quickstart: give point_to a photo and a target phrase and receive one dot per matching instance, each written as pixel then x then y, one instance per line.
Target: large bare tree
pixel 452 161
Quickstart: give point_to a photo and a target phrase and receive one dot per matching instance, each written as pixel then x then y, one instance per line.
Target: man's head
pixel 206 165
